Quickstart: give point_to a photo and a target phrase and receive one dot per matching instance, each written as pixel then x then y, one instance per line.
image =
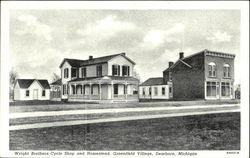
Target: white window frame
pixel 213 70
pixel 227 73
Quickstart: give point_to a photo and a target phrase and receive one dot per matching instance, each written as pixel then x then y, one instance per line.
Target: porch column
pixel 100 91
pixel 75 89
pixel 126 90
pixel 112 89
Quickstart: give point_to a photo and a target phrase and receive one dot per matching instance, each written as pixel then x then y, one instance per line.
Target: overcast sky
pixel 40 39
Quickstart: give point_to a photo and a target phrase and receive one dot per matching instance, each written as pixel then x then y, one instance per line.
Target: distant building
pixel 103 79
pixel 203 75
pixel 31 89
pixel 154 88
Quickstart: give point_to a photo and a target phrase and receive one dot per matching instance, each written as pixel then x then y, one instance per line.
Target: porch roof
pixel 105 79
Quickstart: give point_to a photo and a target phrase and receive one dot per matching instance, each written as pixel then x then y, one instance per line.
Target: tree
pixel 13 76
pixel 55 77
pixel 12 79
pixel 136 75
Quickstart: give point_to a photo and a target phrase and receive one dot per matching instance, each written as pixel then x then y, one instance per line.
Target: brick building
pixel 203 75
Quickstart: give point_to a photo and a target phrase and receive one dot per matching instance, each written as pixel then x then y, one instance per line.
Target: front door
pixel 35 94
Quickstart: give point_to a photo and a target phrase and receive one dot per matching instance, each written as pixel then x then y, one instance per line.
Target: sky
pixel 40 39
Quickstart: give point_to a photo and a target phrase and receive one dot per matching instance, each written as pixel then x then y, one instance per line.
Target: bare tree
pixel 55 77
pixel 136 75
pixel 12 79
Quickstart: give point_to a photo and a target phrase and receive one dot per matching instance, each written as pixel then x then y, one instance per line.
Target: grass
pixel 44 102
pixel 201 132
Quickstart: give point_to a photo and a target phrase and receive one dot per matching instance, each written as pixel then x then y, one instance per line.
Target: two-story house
pixel 103 79
pixel 203 75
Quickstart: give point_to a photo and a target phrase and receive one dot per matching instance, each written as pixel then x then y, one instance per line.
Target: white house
pixel 31 89
pixel 154 88
pixel 103 79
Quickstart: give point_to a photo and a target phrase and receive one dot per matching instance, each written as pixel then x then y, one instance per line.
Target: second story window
pixel 115 70
pixel 99 70
pixel 66 73
pixel 83 71
pixel 226 71
pixel 73 72
pixel 43 93
pixel 125 70
pixel 170 76
pixel 212 69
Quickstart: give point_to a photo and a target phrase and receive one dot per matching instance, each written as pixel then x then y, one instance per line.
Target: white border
pixel 122 5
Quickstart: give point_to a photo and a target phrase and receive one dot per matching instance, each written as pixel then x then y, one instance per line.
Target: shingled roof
pixel 25 83
pixel 99 60
pixel 153 81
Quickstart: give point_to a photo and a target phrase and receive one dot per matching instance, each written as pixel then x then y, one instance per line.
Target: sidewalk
pixel 76 117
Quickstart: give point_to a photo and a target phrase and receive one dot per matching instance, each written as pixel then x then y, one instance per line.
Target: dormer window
pixel 73 72
pixel 116 70
pixel 212 69
pixel 66 73
pixel 226 71
pixel 125 70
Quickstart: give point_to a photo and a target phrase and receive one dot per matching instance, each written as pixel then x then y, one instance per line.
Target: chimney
pixel 170 63
pixel 123 53
pixel 181 54
pixel 90 57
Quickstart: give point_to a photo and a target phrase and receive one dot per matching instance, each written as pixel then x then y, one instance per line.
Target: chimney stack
pixel 181 54
pixel 123 53
pixel 90 57
pixel 170 63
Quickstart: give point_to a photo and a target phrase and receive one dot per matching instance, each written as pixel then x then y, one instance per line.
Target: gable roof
pixel 153 81
pixel 57 82
pixel 99 60
pixel 25 83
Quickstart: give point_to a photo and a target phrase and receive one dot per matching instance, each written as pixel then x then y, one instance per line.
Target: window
pixel 43 93
pixel 226 71
pixel 115 88
pixel 149 90
pixel 99 70
pixel 27 93
pixel 163 91
pixel 170 76
pixel 225 89
pixel 66 73
pixel 125 70
pixel 65 89
pixel 116 70
pixel 212 69
pixel 156 90
pixel 170 89
pixel 143 91
pixel 73 72
pixel 211 89
pixel 83 71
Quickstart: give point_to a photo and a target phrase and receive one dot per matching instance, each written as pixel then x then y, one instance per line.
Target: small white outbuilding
pixel 31 89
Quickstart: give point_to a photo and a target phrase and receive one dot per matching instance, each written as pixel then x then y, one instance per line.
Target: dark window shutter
pixel 128 71
pixel 118 70
pixel 123 70
pixel 113 70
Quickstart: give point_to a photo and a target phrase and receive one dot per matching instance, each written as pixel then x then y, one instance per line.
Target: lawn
pixel 201 132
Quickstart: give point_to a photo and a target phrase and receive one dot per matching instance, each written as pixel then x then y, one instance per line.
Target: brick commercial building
pixel 203 75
